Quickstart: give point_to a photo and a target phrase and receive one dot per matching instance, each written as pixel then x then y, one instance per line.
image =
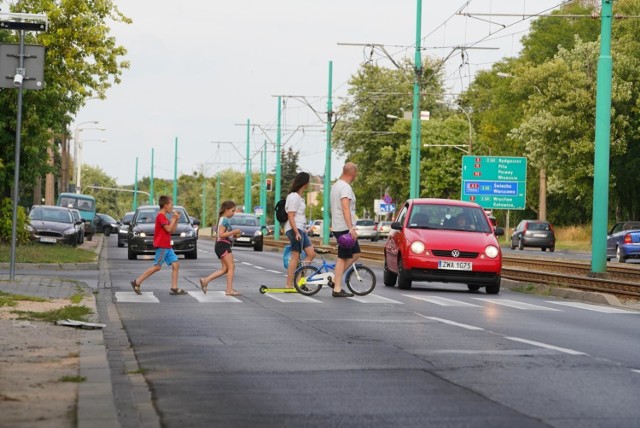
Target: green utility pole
pixel 214 224
pixel 175 173
pixel 135 188
pixel 247 173
pixel 263 184
pixel 414 180
pixel 151 181
pixel 276 228
pixel 203 220
pixel 327 163
pixel 603 139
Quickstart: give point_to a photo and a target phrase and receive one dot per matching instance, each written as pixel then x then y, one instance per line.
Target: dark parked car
pixel 53 225
pixel 623 241
pixel 79 224
pixel 249 224
pixel 142 227
pixel 445 241
pixel 123 230
pixel 534 233
pixel 106 224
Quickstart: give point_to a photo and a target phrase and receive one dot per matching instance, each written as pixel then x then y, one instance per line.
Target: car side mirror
pixel 498 231
pixel 196 222
pixel 126 222
pixel 79 222
pixel 396 225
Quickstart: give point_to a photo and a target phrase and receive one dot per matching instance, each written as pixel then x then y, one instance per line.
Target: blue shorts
pixel 346 253
pixel 296 245
pixel 164 255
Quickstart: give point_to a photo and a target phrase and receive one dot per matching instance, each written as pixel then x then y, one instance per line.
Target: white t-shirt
pixel 341 189
pixel 295 203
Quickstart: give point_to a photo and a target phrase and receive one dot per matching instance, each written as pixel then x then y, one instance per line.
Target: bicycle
pixel 309 279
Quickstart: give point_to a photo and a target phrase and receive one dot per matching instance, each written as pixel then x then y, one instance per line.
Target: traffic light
pixel 269 185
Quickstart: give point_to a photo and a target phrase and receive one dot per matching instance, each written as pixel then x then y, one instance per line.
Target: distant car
pixel 142 227
pixel 534 233
pixel 251 236
pixel 196 224
pixel 316 228
pixel 106 224
pixel 384 227
pixel 367 229
pixel 123 230
pixel 53 225
pixel 79 224
pixel 443 240
pixel 623 241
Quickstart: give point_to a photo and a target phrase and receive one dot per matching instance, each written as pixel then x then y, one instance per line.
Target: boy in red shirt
pixel 162 244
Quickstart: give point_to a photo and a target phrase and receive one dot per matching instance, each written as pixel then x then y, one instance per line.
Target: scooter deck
pixel 264 289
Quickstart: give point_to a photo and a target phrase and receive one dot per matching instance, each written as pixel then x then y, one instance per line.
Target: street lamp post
pixel 78 148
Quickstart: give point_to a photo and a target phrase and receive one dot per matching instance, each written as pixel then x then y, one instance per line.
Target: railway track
pixel 621 280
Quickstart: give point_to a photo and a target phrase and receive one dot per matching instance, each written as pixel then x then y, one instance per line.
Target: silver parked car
pixel 367 229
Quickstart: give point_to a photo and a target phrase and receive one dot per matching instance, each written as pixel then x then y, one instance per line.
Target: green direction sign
pixel 495 182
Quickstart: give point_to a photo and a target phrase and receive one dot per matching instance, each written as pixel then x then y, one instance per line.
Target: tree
pixel 288 169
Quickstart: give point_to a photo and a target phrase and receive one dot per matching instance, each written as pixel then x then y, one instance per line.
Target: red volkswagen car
pixel 443 240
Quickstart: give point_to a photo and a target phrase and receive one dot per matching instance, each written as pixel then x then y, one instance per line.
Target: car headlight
pixel 257 233
pixel 186 234
pixel 417 247
pixel 491 251
pixel 114 225
pixel 29 228
pixel 124 229
pixel 69 232
pixel 140 234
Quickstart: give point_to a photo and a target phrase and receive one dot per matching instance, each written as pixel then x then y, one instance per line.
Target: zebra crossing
pixel 372 299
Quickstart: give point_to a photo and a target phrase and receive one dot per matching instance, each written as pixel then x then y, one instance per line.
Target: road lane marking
pixel 515 304
pixel 442 301
pixel 444 321
pixel 273 271
pixel 213 297
pixel 372 298
pixel 259 267
pixel 546 345
pixel 131 297
pixel 291 298
pixel 595 308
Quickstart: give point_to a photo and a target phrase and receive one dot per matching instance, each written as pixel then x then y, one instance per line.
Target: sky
pixel 201 69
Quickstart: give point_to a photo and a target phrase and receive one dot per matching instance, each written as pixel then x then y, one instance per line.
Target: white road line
pixel 291 298
pixel 444 321
pixel 595 308
pixel 545 345
pixel 516 304
pixel 372 298
pixel 442 301
pixel 259 267
pixel 636 371
pixel 247 263
pixel 213 297
pixel 131 297
pixel 273 271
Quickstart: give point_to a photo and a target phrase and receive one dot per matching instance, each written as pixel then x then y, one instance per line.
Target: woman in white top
pixel 295 227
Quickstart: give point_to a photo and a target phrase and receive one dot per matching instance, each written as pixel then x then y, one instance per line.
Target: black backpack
pixel 281 211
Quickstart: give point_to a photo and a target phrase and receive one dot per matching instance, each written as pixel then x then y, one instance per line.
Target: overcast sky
pixel 200 69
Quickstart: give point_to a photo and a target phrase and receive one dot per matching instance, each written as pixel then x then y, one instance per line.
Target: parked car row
pixel 55 225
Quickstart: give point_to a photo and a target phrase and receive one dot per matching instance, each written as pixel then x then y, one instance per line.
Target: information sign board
pixel 495 182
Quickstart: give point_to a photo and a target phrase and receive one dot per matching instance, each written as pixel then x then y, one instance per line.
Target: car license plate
pixel 443 264
pixel 243 239
pixel 539 235
pixel 48 240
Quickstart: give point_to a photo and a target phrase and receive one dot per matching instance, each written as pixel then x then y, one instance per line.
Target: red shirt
pixel 161 238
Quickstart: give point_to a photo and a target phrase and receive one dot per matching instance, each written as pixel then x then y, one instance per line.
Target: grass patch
pixel 138 371
pixel 78 313
pixel 76 379
pixel 8 299
pixel 41 253
pixel 76 298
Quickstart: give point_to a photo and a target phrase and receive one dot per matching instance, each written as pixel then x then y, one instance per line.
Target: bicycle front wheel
pixel 361 280
pixel 303 280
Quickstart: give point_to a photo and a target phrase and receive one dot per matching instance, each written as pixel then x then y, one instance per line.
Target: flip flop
pixel 203 286
pixel 233 293
pixel 177 292
pixel 136 287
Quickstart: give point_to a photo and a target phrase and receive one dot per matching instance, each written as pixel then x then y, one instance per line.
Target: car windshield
pixel 448 217
pixel 364 223
pixel 127 217
pixel 538 226
pixel 79 203
pixel 108 218
pixel 243 221
pixel 53 215
pixel 148 215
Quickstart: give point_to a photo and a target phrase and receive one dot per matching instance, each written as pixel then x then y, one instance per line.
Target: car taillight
pixel 550 227
pixel 627 239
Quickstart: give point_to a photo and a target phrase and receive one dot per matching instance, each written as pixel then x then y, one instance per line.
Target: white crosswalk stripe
pixel 213 297
pixel 131 297
pixel 441 301
pixel 292 298
pixel 372 298
pixel 595 308
pixel 516 304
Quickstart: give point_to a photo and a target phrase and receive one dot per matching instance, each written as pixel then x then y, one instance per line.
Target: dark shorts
pixel 300 245
pixel 346 253
pixel 223 247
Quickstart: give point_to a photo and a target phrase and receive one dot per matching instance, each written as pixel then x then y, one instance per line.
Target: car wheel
pixel 619 257
pixel 493 289
pixel 543 249
pixel 552 249
pixel 389 278
pixel 131 255
pixel 520 244
pixel 258 247
pixel 513 246
pixel 89 237
pixel 404 283
pixel 120 244
pixel 107 231
pixel 473 287
pixel 192 255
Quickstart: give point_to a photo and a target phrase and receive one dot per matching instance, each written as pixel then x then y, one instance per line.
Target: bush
pixel 6 215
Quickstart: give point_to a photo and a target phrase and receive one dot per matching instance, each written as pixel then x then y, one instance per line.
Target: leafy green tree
pixel 94 178
pixel 288 169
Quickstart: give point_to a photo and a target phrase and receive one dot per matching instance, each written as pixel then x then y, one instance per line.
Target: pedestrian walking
pixel 162 243
pixel 343 214
pixel 223 245
pixel 295 227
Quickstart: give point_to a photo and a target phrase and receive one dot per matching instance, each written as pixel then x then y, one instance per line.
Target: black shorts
pixel 223 247
pixel 346 253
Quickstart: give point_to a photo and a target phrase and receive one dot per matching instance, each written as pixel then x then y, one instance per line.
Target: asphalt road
pixel 436 355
